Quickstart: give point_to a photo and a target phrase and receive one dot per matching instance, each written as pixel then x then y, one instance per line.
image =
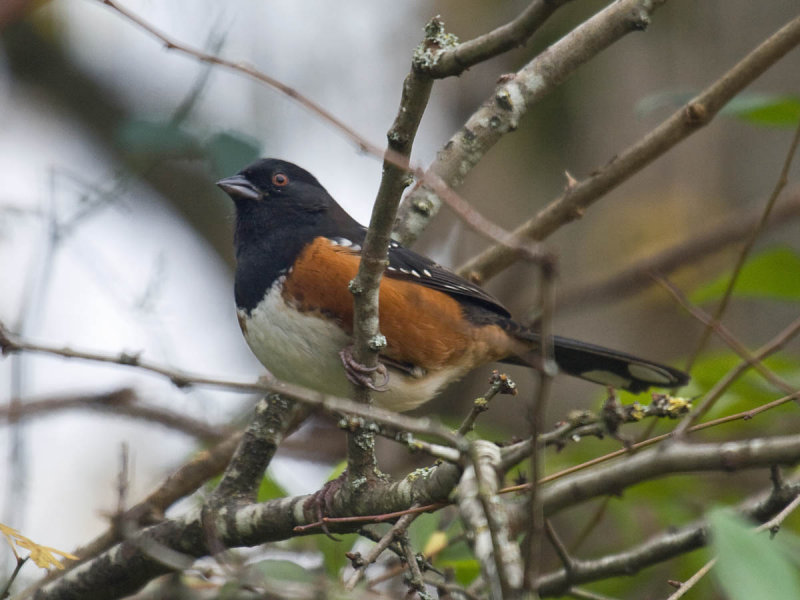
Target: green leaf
pixel 229 152
pixel 769 110
pixel 749 564
pixel 772 274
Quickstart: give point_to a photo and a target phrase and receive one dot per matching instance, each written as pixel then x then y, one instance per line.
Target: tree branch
pixel 677 457
pixel 367 339
pixel 128 566
pixel 453 61
pixel 697 113
pixel 480 509
pixel 661 547
pixel 501 113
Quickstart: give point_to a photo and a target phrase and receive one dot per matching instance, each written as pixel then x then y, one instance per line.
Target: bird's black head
pixel 280 208
pixel 277 185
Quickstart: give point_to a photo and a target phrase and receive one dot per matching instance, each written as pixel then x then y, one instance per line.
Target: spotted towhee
pixel 297 250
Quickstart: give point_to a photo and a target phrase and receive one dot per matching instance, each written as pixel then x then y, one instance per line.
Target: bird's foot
pixel 322 502
pixel 360 374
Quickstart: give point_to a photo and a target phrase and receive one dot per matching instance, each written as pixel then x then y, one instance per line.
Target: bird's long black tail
pixel 606 366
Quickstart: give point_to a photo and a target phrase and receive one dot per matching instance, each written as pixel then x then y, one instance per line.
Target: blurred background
pixel 114 238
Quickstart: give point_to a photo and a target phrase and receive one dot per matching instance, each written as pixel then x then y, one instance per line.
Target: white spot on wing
pixel 606 378
pixel 650 373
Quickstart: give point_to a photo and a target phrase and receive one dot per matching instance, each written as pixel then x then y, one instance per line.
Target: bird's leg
pixel 360 374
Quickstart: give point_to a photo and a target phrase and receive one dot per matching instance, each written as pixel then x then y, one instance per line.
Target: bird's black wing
pixel 409 265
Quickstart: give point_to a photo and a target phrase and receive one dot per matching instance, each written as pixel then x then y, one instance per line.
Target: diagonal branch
pixel 501 113
pixel 691 118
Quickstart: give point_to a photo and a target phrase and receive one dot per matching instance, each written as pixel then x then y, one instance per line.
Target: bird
pixel 297 250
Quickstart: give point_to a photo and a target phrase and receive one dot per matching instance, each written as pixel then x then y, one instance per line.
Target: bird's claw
pixel 359 374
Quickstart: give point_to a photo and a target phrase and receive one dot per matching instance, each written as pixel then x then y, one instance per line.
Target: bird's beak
pixel 237 186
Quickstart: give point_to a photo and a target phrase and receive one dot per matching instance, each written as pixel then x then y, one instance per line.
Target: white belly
pixel 303 348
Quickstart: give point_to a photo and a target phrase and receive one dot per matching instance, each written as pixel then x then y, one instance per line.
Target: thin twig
pixel 415 574
pixel 774 524
pixel 10 343
pixel 452 590
pixel 591 525
pixel 783 179
pixel 559 547
pixel 455 60
pixel 514 453
pixel 692 581
pixel 399 527
pixel 485 520
pixel 6 591
pixel 367 339
pixel 548 369
pixel 249 70
pixel 582 594
pixel 124 401
pixel 715 393
pixel 499 383
pixel 724 334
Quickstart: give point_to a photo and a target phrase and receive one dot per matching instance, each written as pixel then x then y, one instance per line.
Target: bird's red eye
pixel 280 179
